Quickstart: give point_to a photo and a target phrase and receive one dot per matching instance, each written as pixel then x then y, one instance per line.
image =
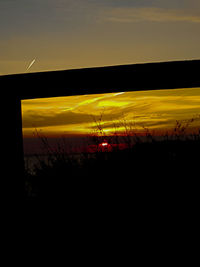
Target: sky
pixel 70 34
pixel 81 115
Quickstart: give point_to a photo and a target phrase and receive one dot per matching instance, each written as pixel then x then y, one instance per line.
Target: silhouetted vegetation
pixel 143 163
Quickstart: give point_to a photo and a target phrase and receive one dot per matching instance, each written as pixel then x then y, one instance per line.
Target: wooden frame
pixel 150 76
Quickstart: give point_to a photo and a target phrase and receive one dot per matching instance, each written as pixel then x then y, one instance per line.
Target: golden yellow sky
pixel 79 115
pixel 71 34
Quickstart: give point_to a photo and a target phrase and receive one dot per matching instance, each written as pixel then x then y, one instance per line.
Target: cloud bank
pixel 152 14
pixel 81 115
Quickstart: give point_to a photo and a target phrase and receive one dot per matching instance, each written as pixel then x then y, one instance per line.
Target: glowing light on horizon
pixel 104 144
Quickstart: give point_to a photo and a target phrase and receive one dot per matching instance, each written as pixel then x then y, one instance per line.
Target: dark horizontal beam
pixel 149 76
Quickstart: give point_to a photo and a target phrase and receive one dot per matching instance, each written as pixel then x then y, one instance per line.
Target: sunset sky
pixel 66 34
pixel 79 115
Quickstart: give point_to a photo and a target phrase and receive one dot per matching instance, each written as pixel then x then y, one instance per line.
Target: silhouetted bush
pixel 150 164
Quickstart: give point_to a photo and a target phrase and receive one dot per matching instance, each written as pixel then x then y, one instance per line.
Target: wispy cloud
pixel 157 109
pixel 128 15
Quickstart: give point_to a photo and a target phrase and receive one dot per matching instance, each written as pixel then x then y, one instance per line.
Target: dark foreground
pixel 153 170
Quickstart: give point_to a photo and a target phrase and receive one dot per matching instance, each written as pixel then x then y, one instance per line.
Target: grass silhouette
pixel 146 162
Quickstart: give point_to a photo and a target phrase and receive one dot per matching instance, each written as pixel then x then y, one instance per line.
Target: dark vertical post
pixel 20 186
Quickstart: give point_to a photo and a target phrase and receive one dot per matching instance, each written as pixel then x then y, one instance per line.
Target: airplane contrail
pixel 31 64
pixel 119 93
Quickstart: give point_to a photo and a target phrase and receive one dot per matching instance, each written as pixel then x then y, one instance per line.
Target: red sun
pixel 104 144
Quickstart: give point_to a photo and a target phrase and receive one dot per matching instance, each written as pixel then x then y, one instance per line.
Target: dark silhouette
pixel 151 76
pixel 149 167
